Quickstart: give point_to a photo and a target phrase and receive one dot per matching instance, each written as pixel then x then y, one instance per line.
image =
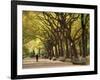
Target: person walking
pixel 37 58
pixel 36 54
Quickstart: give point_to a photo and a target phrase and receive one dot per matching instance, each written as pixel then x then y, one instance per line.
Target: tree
pixel 62 34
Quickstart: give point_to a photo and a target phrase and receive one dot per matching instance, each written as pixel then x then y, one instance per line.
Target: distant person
pixel 36 54
pixel 37 58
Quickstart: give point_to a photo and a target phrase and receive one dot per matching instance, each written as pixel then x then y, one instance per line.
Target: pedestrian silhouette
pixel 37 58
pixel 36 54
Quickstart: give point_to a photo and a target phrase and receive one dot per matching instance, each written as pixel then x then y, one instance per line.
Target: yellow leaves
pixel 34 44
pixel 75 27
pixel 30 25
pixel 37 25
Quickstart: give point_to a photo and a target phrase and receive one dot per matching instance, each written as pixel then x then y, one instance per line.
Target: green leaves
pixel 49 29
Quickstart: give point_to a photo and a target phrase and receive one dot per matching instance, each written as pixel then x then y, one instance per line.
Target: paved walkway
pixel 43 63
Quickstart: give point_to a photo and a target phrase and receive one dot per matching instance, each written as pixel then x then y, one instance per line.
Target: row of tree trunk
pixel 60 42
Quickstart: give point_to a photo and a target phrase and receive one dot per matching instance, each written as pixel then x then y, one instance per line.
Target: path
pixel 43 63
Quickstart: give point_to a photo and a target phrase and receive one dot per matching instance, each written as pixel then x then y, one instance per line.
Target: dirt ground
pixel 44 63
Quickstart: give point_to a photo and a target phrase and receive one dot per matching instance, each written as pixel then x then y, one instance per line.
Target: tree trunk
pixel 80 47
pixel 83 36
pixel 67 50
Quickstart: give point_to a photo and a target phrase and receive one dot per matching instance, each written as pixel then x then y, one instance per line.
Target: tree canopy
pixel 59 34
